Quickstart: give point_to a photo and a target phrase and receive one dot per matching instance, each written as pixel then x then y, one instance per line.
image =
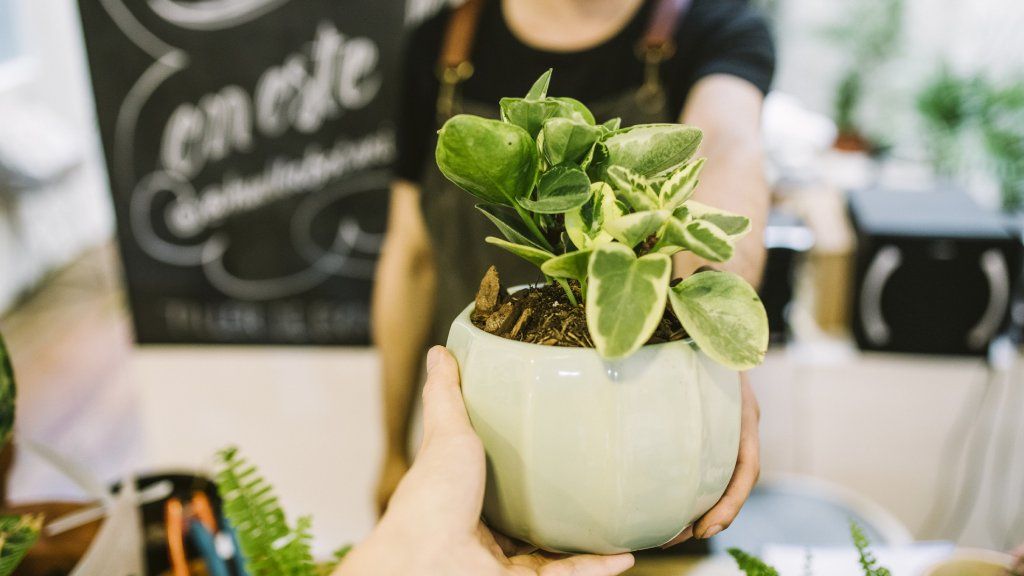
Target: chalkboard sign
pixel 248 144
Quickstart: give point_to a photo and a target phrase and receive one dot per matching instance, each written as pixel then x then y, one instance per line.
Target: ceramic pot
pixel 588 455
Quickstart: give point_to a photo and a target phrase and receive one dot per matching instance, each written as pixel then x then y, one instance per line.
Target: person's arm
pixel 728 110
pixel 401 312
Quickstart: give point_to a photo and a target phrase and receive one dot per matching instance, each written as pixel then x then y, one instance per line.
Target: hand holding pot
pixel 432 525
pixel 744 477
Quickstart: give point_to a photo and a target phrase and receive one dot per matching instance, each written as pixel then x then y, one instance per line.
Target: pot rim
pixel 464 318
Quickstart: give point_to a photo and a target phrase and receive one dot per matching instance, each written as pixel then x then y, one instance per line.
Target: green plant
pixel 270 546
pixel 869 35
pixel 946 103
pixel 1002 126
pixel 605 207
pixel 754 566
pixel 17 533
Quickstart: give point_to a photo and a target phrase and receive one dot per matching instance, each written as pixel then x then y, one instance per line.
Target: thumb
pixel 444 411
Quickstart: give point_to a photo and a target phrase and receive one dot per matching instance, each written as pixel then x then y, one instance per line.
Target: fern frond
pixel 268 544
pixel 8 392
pixel 17 535
pixel 867 559
pixel 751 565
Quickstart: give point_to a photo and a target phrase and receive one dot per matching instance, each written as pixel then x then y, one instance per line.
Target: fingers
pixel 583 565
pixel 685 535
pixel 444 412
pixel 748 468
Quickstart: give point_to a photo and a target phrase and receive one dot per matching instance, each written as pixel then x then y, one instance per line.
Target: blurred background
pixel 894 132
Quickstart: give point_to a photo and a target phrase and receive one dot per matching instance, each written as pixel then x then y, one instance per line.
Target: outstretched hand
pixel 432 524
pixel 744 477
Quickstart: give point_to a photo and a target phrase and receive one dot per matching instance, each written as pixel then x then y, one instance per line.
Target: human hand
pixel 744 477
pixel 394 469
pixel 1018 568
pixel 432 525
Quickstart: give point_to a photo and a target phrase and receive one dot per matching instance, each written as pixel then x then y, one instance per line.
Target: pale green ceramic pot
pixel 587 455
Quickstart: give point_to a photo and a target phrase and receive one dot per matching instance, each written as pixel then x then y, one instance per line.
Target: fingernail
pixel 711 532
pixel 433 357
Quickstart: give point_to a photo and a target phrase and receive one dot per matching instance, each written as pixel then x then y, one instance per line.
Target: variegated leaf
pixel 724 316
pixel 732 224
pixel 569 265
pixel 535 256
pixel 633 188
pixel 583 225
pixel 680 185
pixel 652 149
pixel 702 238
pixel 634 228
pixel 625 298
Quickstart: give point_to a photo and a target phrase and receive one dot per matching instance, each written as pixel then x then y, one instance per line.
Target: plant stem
pixel 528 220
pixel 568 290
pixel 583 288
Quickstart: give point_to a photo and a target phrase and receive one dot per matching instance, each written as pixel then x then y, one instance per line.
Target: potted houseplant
pixel 607 399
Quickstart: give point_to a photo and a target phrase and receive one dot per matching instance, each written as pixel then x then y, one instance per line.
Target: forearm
pixel 402 313
pixel 728 110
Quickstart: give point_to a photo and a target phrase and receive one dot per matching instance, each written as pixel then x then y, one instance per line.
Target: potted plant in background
pixel 1002 127
pixel 607 398
pixel 946 104
pixel 870 33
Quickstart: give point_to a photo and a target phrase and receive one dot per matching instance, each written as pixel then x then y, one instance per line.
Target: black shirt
pixel 715 37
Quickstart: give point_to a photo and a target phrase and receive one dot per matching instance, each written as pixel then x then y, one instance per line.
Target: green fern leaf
pixel 17 535
pixel 268 544
pixel 751 565
pixel 8 391
pixel 867 560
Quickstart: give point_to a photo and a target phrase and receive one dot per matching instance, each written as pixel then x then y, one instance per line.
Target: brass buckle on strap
pixel 651 95
pixel 451 76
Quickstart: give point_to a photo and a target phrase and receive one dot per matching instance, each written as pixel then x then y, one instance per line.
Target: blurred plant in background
pixel 947 104
pixel 869 35
pixel 1002 129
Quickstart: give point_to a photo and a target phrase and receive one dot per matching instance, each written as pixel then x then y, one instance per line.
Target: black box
pixel 935 272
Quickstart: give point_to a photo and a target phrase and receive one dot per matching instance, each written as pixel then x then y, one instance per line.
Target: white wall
pixel 979 36
pixel 43 229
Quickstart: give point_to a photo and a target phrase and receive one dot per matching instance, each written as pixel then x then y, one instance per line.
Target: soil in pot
pixel 543 314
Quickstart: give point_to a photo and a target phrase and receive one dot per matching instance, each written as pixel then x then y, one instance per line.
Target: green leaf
pixel 508 223
pixel 8 394
pixel 732 224
pixel 560 189
pixel 751 565
pixel 651 149
pixel 531 114
pixel 581 111
pixel 268 544
pixel 634 188
pixel 584 224
pixel 535 256
pixel 634 228
pixel 724 316
pixel 567 140
pixel 700 237
pixel 570 265
pixel 491 160
pixel 18 534
pixel 625 298
pixel 680 185
pixel 611 125
pixel 539 89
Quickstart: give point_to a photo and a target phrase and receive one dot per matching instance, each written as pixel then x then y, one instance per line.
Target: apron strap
pixel 454 67
pixel 661 28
